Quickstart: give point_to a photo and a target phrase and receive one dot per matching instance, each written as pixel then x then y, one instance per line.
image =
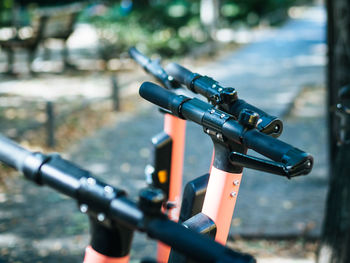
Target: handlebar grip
pixel 139 57
pixel 181 74
pixel 296 161
pixel 12 154
pixel 163 98
pixel 157 95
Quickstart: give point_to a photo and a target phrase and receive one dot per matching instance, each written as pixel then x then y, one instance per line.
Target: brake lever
pixel 268 166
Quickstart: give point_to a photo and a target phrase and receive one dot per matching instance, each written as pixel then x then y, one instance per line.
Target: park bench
pixel 47 23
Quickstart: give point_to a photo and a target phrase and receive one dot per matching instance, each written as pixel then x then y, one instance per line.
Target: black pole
pixel 50 124
pixel 115 94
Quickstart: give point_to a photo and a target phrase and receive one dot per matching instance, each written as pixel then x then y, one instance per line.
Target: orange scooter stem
pixel 220 200
pixel 92 256
pixel 175 128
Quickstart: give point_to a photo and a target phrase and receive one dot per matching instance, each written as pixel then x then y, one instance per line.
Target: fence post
pixel 115 94
pixel 50 124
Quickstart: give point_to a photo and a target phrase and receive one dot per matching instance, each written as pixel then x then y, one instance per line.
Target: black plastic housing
pixel 161 163
pixel 193 197
pixel 199 223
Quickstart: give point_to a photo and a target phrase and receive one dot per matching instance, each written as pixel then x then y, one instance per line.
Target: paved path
pixel 269 73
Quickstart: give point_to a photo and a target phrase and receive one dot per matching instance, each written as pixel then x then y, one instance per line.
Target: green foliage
pixel 5 12
pixel 250 11
pixel 165 27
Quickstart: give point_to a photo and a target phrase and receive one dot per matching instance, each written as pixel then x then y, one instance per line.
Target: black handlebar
pixel 139 57
pixel 182 75
pixel 290 160
pixel 99 197
pixel 225 98
pixel 158 96
pixel 154 68
pixel 12 154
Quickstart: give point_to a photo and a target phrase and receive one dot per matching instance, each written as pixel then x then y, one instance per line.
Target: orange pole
pixel 212 161
pixel 220 200
pixel 92 256
pixel 176 129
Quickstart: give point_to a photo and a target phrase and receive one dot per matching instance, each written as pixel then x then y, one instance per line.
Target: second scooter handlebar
pixel 226 98
pixel 224 127
pixel 153 67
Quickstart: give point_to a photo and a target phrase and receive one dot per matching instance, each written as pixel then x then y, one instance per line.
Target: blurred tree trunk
pixel 335 242
pixel 209 14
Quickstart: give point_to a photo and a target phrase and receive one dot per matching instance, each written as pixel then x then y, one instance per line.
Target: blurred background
pixel 68 85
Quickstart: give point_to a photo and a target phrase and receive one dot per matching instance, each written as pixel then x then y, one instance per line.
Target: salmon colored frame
pixel 92 256
pixel 220 200
pixel 176 129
